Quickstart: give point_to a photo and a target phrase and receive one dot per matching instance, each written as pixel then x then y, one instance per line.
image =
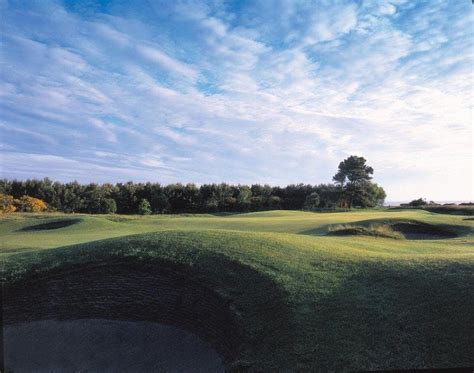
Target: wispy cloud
pixel 275 92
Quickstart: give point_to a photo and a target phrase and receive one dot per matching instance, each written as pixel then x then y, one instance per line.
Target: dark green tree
pixel 352 177
pixel 72 197
pixel 244 197
pixel 377 195
pixel 354 186
pixel 125 196
pixel 108 206
pixel 329 195
pixel 144 207
pixel 418 202
pixel 274 203
pixel 353 170
pixel 159 203
pixel 311 202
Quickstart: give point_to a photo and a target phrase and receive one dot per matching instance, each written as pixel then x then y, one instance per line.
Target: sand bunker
pixel 410 230
pixel 133 301
pixel 422 231
pixel 96 345
pixel 56 224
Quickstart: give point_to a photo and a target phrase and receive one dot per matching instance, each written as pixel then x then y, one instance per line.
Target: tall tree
pixel 353 170
pixel 311 202
pixel 72 197
pixel 353 177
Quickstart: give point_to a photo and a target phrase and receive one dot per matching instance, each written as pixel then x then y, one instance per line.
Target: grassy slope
pixel 350 302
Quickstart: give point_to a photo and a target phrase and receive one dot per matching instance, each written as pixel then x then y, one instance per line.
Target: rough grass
pixel 384 230
pixel 398 229
pixel 349 303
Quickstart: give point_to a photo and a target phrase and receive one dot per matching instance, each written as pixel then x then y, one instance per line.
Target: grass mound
pixel 50 225
pixel 171 278
pixel 359 230
pixel 297 299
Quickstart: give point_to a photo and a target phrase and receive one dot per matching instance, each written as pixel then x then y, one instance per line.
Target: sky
pixel 275 92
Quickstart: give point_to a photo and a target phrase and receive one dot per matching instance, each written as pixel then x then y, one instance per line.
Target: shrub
pixel 108 206
pixel 418 202
pixel 7 204
pixel 382 230
pixel 30 204
pixel 385 231
pixel 144 207
pixel 311 202
pixel 274 202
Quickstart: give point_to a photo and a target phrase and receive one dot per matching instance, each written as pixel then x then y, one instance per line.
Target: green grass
pixel 308 300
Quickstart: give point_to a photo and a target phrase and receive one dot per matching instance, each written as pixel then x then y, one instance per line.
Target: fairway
pixel 268 290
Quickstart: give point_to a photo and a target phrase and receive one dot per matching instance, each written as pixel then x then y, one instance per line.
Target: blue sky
pixel 274 92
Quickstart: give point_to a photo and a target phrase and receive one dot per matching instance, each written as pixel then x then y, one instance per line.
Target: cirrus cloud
pixel 275 92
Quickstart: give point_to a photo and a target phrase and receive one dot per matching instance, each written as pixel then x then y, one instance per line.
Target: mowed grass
pixel 308 301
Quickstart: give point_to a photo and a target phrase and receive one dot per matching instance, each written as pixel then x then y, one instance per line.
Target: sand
pixel 96 345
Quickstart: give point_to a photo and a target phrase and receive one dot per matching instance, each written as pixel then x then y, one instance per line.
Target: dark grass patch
pixel 118 219
pixel 17 250
pixel 224 213
pixel 329 210
pixel 408 317
pixel 50 225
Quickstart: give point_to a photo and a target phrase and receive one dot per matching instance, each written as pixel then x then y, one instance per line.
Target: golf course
pixel 276 290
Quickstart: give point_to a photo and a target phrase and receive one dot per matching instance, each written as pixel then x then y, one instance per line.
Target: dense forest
pixel 147 198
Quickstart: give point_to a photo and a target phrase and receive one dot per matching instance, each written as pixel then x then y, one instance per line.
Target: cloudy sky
pixel 246 91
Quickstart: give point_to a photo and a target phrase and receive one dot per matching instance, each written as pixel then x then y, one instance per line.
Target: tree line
pixel 352 188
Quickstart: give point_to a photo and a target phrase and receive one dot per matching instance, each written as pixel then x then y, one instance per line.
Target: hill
pixel 269 290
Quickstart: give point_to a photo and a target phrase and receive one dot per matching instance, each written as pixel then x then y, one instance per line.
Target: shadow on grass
pixel 227 213
pixel 51 225
pixel 397 317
